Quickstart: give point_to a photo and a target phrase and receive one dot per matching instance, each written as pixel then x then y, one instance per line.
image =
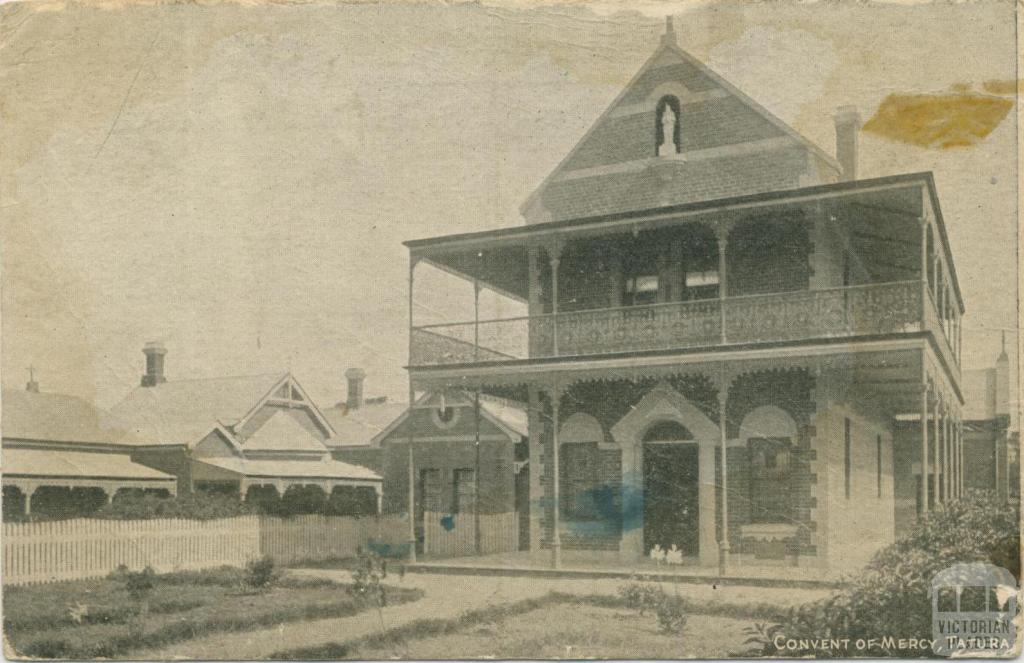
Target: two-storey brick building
pixel 722 325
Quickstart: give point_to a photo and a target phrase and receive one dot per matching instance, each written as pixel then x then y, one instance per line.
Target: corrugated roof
pixel 31 462
pixel 184 411
pixel 358 427
pixel 511 414
pixel 325 468
pixel 282 433
pixel 55 418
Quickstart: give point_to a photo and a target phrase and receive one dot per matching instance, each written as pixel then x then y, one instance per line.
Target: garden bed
pixel 600 626
pixel 100 618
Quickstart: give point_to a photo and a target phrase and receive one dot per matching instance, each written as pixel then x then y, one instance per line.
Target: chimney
pixel 355 377
pixel 1003 381
pixel 154 351
pixel 847 130
pixel 32 385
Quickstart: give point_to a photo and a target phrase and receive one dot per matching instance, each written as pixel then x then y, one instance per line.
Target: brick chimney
pixel 154 351
pixel 355 377
pixel 847 134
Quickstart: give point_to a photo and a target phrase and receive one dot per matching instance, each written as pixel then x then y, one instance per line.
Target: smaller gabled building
pixel 250 436
pixel 471 473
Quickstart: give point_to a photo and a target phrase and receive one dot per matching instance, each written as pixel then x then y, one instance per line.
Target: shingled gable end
pixel 725 145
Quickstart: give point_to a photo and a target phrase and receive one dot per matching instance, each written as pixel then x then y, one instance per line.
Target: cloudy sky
pixel 236 180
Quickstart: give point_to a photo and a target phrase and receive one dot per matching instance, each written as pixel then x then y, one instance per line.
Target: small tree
pixel 139 585
pixel 260 573
pixel 367 580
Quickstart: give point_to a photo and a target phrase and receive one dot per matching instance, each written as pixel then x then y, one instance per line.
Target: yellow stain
pixel 1008 88
pixel 943 121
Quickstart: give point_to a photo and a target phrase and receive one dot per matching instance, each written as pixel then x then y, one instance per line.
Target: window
pixel 666 127
pixel 846 455
pixel 769 480
pixel 430 490
pixel 878 463
pixel 641 290
pixel 702 285
pixel 578 476
pixel 464 490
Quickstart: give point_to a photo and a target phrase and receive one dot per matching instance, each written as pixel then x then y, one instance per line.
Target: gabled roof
pixel 699 75
pixel 55 418
pixel 367 426
pixel 184 411
pixel 282 433
pixel 358 427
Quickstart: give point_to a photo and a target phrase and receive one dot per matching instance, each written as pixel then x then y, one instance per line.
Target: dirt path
pixel 446 597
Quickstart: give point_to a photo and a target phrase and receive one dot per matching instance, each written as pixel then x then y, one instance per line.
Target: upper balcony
pixel 858 260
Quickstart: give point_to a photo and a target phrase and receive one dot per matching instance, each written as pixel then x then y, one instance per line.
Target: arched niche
pixel 581 427
pixel 768 421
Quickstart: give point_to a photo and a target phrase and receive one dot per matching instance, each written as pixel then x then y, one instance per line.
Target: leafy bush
pixel 260 573
pixel 140 583
pixel 193 507
pixel 646 597
pixel 371 569
pixel 890 596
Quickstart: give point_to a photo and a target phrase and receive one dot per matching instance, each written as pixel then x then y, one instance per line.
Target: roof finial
pixel 669 38
pixel 32 385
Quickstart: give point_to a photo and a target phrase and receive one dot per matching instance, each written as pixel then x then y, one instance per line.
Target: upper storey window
pixel 666 126
pixel 640 290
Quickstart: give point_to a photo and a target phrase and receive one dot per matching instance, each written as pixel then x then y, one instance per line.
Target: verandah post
pixel 411 457
pixel 924 448
pixel 723 544
pixel 556 537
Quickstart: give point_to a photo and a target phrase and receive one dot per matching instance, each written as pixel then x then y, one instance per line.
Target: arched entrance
pixel 668 459
pixel 671 495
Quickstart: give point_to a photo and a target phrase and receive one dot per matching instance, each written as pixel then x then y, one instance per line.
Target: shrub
pixel 140 583
pixel 260 573
pixel 194 507
pixel 371 569
pixel 647 597
pixel 890 596
pixel 299 500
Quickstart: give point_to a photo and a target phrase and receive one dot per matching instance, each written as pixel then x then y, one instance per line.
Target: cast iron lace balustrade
pixel 884 308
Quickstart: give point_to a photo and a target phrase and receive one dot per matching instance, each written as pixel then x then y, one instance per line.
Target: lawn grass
pixel 90 619
pixel 538 628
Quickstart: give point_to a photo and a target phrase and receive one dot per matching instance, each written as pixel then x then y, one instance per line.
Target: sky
pixel 236 180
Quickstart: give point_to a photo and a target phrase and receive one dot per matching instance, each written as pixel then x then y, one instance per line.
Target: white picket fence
pixel 86 548
pixel 303 538
pixel 454 535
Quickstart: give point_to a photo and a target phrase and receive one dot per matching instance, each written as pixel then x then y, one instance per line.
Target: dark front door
pixel 670 496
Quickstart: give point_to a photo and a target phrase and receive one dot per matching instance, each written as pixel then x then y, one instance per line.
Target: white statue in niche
pixel 668 132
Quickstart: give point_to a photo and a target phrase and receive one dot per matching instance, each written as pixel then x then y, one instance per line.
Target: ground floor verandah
pixel 350 489
pixel 50 481
pixel 577 563
pixel 773 462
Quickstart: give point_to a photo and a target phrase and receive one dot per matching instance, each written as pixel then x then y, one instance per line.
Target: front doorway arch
pixel 650 416
pixel 671 489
